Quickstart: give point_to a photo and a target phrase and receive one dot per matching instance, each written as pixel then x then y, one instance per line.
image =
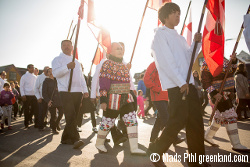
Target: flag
pixel 80 10
pixel 213 36
pixel 100 33
pixel 187 31
pixel 156 4
pixel 246 31
pixel 99 55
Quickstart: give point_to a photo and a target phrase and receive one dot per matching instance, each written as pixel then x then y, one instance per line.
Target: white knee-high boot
pixel 210 132
pixel 232 131
pixel 101 137
pixel 133 141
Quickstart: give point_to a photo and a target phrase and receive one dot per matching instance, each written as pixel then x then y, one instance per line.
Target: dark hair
pixel 29 66
pixel 66 40
pixel 139 91
pixel 166 9
pixel 48 69
pixel 241 67
pixel 142 75
pixel 6 84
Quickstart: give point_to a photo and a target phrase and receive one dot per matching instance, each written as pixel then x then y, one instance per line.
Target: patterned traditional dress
pixel 225 113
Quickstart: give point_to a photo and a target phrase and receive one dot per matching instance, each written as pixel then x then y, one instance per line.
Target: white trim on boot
pixel 210 132
pixel 232 131
pixel 133 141
pixel 100 140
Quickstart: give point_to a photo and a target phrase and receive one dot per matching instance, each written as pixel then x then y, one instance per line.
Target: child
pixel 6 96
pixel 140 103
pixel 16 94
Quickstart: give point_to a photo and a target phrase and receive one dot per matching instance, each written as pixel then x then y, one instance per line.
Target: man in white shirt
pixel 27 90
pixel 2 80
pixel 172 58
pixel 42 105
pixel 61 67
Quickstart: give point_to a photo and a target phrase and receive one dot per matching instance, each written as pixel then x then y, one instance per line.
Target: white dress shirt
pixel 39 85
pixel 2 82
pixel 27 84
pixel 172 57
pixel 61 72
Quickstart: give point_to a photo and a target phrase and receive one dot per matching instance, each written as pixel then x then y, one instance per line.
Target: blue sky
pixel 31 30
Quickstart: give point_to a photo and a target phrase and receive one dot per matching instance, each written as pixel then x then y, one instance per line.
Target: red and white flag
pixel 187 31
pixel 213 36
pixel 80 10
pixel 101 34
pixel 156 4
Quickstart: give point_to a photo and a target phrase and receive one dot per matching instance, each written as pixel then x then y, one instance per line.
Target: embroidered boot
pixel 210 132
pixel 232 131
pixel 101 137
pixel 133 141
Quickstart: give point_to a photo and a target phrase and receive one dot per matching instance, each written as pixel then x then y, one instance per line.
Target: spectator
pixel 61 67
pixel 140 102
pixel 242 92
pixel 42 105
pixel 197 84
pixel 36 71
pixel 52 99
pixel 6 104
pixel 2 80
pixel 27 89
pixel 16 94
pixel 141 85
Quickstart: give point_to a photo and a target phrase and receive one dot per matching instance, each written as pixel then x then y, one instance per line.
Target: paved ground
pixel 25 148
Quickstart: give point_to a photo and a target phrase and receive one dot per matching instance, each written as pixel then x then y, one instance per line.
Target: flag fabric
pixel 213 36
pixel 246 31
pixel 156 4
pixel 100 33
pixel 99 55
pixel 187 31
pixel 80 10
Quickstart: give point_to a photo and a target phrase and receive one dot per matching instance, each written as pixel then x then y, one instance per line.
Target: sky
pixel 31 30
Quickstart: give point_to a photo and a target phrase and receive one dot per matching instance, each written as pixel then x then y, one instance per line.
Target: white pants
pixel 7 110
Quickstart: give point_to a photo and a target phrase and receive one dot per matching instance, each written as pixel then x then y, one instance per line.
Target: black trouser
pixel 243 103
pixel 54 121
pixel 150 105
pixel 205 99
pixel 87 106
pixel 182 113
pixel 71 103
pixel 28 113
pixel 43 107
pixel 15 107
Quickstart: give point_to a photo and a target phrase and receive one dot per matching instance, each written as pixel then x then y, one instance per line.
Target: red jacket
pixel 152 81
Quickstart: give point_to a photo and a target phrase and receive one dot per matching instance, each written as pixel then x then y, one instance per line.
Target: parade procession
pixel 135 83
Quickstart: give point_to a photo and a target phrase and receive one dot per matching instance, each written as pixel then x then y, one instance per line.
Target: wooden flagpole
pixel 194 50
pixel 186 17
pixel 74 53
pixel 70 29
pixel 139 31
pixel 228 68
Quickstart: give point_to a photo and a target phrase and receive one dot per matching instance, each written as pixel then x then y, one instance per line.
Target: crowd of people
pixel 111 89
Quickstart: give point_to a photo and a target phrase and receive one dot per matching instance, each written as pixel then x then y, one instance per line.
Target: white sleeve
pixel 37 86
pixel 22 84
pixel 190 50
pixel 1 85
pixel 164 60
pixel 94 84
pixel 59 70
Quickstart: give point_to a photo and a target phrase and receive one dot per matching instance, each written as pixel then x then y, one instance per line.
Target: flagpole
pixel 185 17
pixel 228 68
pixel 139 31
pixel 194 50
pixel 73 32
pixel 75 47
pixel 70 29
pixel 92 63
